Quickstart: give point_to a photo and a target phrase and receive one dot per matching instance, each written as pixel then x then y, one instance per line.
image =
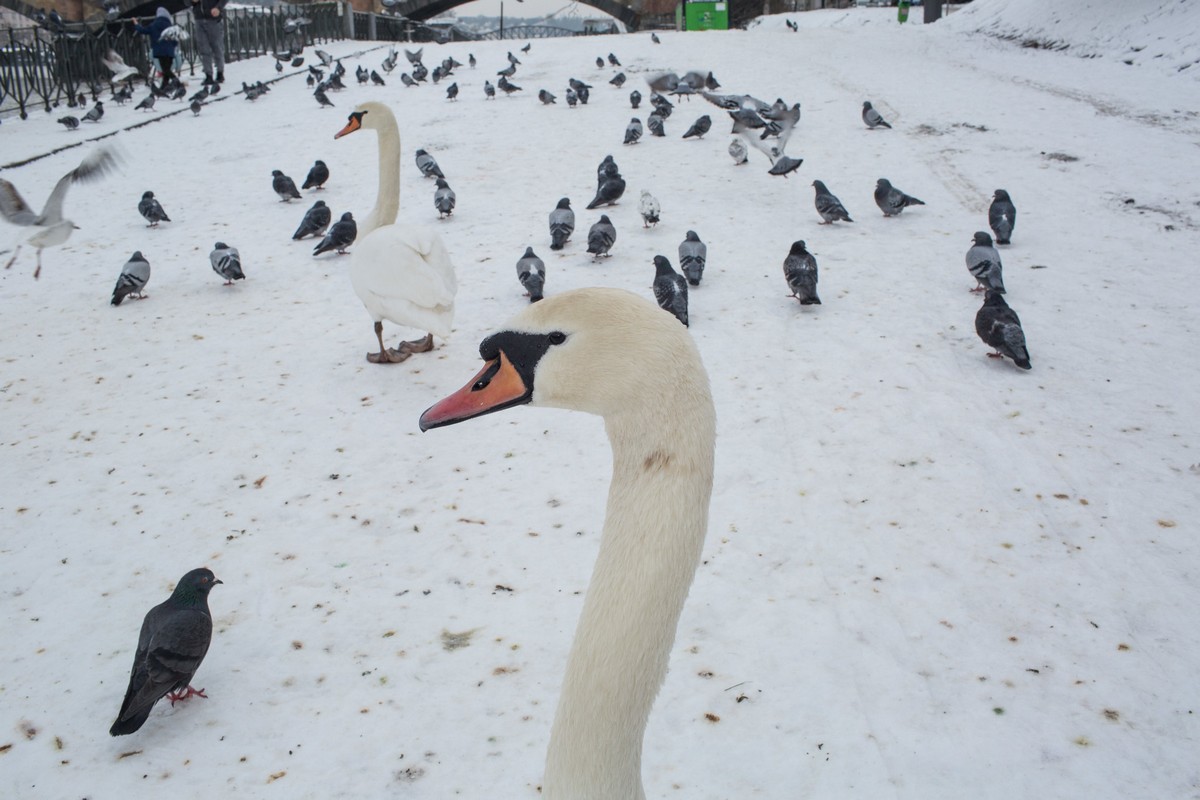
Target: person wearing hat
pixel 161 48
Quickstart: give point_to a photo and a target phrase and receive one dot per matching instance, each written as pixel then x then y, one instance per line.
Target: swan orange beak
pixel 354 123
pixel 497 386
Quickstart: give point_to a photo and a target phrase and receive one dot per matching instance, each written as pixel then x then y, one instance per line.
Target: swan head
pixel 604 351
pixel 367 115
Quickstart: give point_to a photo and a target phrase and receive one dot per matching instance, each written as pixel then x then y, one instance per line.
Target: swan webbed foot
pixel 418 346
pixel 390 356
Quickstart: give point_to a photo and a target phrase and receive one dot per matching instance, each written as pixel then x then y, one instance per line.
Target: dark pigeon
pixel 317 175
pixel 618 80
pixel 284 186
pixel 609 192
pixel 174 638
pixel 635 98
pixel 340 236
pixel 670 289
pixel 315 221
pixel 546 97
pixel 452 91
pixel 800 271
pixel 133 278
pixel 601 237
pixel 699 127
pixel 150 208
pixel 1000 328
pixel 1002 216
pixel 531 272
pixel 828 206
pixel 69 122
pixel 562 224
pixel 892 201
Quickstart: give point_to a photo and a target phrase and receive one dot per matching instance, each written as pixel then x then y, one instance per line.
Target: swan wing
pixel 404 274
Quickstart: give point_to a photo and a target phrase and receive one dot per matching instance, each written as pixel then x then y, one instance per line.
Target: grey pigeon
pixel 613 60
pixel 693 256
pixel 508 71
pixel 443 198
pixel 95 113
pixel 608 192
pixel 670 289
pixel 428 165
pixel 633 131
pixel 174 638
pixel 506 87
pixel 414 58
pixel 377 79
pixel 699 127
pixel 800 271
pixel 572 97
pixel 872 117
pixel 513 59
pixel 452 91
pixel 1000 328
pixel 147 103
pixel 322 98
pixel 1002 216
pixel 635 98
pixel 738 151
pixel 781 163
pixel 578 85
pixel 340 236
pixel 649 208
pixel 284 186
pixel 317 175
pixel 152 210
pixel 601 237
pixel 133 278
pixel 531 272
pixel 655 123
pixel 489 90
pixel 227 262
pixel 546 97
pixel 315 221
pixel 195 106
pixel 983 262
pixel 407 81
pixel 471 60
pixel 654 38
pixel 892 201
pixel 618 80
pixel 582 94
pixel 599 62
pixel 69 122
pixel 326 59
pixel 828 206
pixel 562 223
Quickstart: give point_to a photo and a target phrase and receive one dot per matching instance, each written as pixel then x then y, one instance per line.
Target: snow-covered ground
pixel 928 574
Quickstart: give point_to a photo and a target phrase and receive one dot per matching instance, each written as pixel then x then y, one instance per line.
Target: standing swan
pixel 402 273
pixel 611 353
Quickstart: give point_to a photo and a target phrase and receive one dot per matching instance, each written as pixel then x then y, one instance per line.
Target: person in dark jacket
pixel 162 49
pixel 210 37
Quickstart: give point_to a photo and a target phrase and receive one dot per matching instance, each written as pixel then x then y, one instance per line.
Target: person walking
pixel 210 37
pixel 163 50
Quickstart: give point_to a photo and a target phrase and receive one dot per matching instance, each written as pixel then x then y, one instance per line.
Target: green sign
pixel 706 16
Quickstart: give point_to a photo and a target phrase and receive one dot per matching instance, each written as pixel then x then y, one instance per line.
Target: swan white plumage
pixel 402 273
pixel 611 353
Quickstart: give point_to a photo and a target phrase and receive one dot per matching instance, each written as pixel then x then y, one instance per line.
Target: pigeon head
pixel 692 237
pixel 564 203
pixel 319 204
pixel 347 217
pixel 441 183
pixel 604 218
pixel 983 238
pixel 1001 195
pixel 883 183
pixel 137 256
pixel 662 265
pixel 529 253
pixel 220 246
pixel 195 585
pixel 994 299
pixel 275 173
pixel 866 103
pixel 798 248
pixel 147 195
pixel 820 186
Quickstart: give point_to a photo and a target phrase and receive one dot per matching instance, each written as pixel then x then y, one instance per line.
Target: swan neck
pixel 387 201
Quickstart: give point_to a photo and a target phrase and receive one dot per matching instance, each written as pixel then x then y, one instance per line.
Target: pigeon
pixel 649 208
pixel 133 278
pixel 471 60
pixel 179 92
pixel 298 61
pixel 562 223
pixel 607 169
pixel 226 262
pixel 414 58
pixel 489 90
pixel 670 289
pixel 363 74
pixel 152 210
pixel 800 271
pixel 69 122
pixel 872 117
pixel 389 62
pixel 983 262
pixel 407 81
pixel 326 59
pixel 527 47
pixel 599 62
pixel 428 165
pixel 506 87
pixel 633 131
pixel 608 192
pixel 147 103
pixel 635 98
pixel 582 95
pixel 512 60
pixel 828 206
pixel 174 637
pixel 508 71
pixel 1000 328
pixel 737 149
pixel 892 201
pixel 578 85
pixel 662 106
pixel 195 106
pixel 377 79
pixel 655 123
pixel 613 60
pixel 546 97
pixel 340 236
pixel 531 272
pixel 279 66
pixel 443 198
pixel 699 127
pixel 654 38
pixel 52 228
pixel 284 186
pixel 618 80
pixel 215 88
pixel 203 93
pixel 693 255
pixel 420 73
pixel 317 175
pixel 781 163
pixel 601 237
pixel 315 221
pixel 322 98
pixel 452 91
pixel 572 97
pixel 95 113
pixel 1002 216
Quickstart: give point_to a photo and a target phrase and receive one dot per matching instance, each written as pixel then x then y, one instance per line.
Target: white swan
pixel 402 273
pixel 612 353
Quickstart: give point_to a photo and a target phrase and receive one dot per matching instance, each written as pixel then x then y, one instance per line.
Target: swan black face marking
pixel 354 123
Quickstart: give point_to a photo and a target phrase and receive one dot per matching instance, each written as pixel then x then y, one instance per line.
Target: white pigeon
pixel 117 66
pixel 649 208
pixel 737 149
pixel 52 228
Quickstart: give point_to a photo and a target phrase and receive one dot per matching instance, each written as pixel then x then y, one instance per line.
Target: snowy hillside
pixel 928 574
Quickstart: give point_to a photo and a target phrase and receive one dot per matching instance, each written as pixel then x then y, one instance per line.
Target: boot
pixel 208 79
pixel 220 76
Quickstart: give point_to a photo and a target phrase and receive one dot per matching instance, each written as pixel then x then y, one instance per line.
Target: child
pixel 162 49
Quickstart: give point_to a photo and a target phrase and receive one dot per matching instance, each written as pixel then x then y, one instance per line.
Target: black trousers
pixel 164 63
